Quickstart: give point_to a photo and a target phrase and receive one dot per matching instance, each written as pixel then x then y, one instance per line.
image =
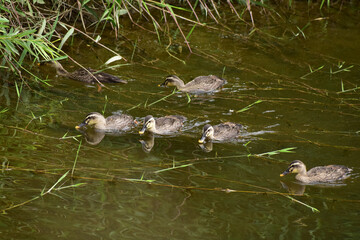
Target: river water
pixel 298 83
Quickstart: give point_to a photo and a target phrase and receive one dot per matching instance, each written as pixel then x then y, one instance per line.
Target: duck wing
pixel 329 173
pixel 170 123
pixel 84 76
pixel 227 131
pixel 204 84
pixel 121 122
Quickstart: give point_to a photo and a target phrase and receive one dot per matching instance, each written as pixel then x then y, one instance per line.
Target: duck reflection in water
pixel 294 188
pixel 298 188
pixel 92 136
pixel 147 143
pixel 206 146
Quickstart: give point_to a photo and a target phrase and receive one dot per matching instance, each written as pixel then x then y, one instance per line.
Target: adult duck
pixel 87 76
pixel 321 174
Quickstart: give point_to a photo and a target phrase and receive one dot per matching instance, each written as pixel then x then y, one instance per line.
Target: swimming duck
pixel 221 132
pixel 201 84
pixel 163 125
pixel 319 174
pixel 84 76
pixel 118 122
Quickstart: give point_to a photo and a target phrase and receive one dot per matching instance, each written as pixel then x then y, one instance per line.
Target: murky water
pixel 214 192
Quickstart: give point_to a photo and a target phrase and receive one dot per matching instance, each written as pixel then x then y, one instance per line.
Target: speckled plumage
pixel 117 122
pixel 84 75
pixel 201 84
pixel 321 174
pixel 163 125
pixel 221 132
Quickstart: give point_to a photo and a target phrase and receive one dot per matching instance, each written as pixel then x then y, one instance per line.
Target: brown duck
pixel 84 75
pixel 222 132
pixel 201 84
pixel 321 174
pixel 163 125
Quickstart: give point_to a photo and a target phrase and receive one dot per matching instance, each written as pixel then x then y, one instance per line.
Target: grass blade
pixel 249 106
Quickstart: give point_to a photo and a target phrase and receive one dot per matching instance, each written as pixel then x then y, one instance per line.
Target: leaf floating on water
pixel 249 106
pixel 113 59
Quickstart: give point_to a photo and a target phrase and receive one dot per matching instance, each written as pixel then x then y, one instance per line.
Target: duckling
pixel 84 76
pixel 330 173
pixel 221 132
pixel 118 122
pixel 163 125
pixel 201 84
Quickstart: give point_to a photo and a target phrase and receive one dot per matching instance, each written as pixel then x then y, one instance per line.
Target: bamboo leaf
pixel 249 106
pixel 65 38
pixel 42 28
pixel 113 59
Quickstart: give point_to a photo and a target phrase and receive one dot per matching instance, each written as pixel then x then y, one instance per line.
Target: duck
pixel 201 84
pixel 321 174
pixel 163 125
pixel 84 75
pixel 113 123
pixel 221 132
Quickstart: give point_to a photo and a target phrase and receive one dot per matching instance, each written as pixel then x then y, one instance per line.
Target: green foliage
pixel 29 28
pixel 23 36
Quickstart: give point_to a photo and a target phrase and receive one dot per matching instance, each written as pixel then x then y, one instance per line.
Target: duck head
pixel 296 166
pixel 172 81
pixel 93 119
pixel 149 124
pixel 208 133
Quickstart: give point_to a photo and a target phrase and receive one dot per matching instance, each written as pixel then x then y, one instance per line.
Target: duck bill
pixel 142 131
pixel 284 173
pixel 202 139
pixel 81 125
pixel 164 84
